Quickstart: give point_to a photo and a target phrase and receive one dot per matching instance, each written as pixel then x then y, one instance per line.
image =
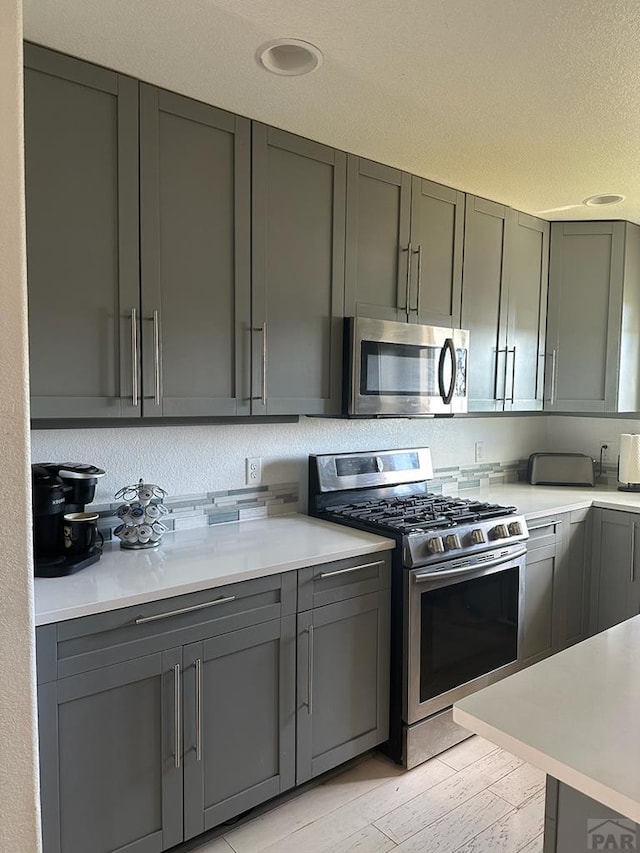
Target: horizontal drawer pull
pixel 542 526
pixel 351 569
pixel 142 619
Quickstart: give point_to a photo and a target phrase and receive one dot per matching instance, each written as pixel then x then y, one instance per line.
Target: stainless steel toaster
pixel 560 469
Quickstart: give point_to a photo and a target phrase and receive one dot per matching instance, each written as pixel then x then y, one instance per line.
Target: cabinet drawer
pixel 544 531
pixel 82 644
pixel 343 579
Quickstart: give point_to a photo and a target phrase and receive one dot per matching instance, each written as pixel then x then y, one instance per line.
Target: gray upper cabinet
pixel 81 149
pixel 593 347
pixel 484 303
pixel 404 246
pixel 195 169
pixel 528 267
pixel 298 228
pixel 504 301
pixel 615 591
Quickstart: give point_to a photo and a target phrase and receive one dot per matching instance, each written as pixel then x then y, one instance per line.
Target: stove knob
pixel 436 545
pixel 478 537
pixel 500 532
pixel 452 542
pixel 515 528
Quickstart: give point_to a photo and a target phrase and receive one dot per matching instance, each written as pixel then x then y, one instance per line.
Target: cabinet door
pixel 377 242
pixel 437 230
pixel 571 599
pixel 528 240
pixel 110 755
pixel 585 303
pixel 239 735
pixel 484 303
pixel 298 229
pixel 615 570
pixel 343 682
pixel 537 634
pixel 195 164
pixel 81 150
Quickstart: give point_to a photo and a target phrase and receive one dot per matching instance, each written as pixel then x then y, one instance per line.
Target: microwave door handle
pixel 449 346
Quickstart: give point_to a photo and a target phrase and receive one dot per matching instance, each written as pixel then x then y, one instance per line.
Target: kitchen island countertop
pixel 575 715
pixel 204 558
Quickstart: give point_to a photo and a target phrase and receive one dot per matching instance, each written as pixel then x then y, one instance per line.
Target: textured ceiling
pixel 533 103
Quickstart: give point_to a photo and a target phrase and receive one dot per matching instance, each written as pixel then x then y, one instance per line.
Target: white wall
pixel 586 435
pixel 19 821
pixel 195 459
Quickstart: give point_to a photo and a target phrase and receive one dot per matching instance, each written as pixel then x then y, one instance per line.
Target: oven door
pixel 406 369
pixel 464 628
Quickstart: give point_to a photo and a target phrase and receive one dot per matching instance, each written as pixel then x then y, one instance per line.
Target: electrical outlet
pixel 479 451
pixel 253 470
pixel 605 446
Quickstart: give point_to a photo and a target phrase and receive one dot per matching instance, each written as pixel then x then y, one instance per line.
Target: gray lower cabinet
pixel 298 228
pixel 195 198
pixel 557 584
pixel 81 152
pixel 615 592
pixel 594 297
pixel 110 745
pixel 404 243
pixel 343 682
pixel 504 297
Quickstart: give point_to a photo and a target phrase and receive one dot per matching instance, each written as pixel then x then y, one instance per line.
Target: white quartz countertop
pixel 204 558
pixel 575 715
pixel 537 501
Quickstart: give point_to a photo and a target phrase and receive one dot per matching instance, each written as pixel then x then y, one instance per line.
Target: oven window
pixel 399 370
pixel 467 629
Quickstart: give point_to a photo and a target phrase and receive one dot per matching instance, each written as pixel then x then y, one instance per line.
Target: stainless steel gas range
pixel 457 586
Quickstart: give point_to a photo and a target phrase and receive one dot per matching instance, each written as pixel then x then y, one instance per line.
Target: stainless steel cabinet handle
pixel 134 357
pixel 176 713
pixel 502 399
pixel 350 569
pixel 418 252
pixel 310 687
pixel 198 710
pixel 633 552
pixel 156 357
pixel 407 302
pixel 465 570
pixel 554 368
pixel 513 377
pixel 542 526
pixel 141 620
pixel 263 394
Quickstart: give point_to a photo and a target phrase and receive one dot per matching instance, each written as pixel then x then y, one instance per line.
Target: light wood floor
pixel 474 798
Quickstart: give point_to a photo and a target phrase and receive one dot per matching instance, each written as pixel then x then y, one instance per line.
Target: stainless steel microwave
pixel 404 369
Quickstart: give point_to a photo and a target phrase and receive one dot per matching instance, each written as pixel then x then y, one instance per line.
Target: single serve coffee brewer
pixel 64 534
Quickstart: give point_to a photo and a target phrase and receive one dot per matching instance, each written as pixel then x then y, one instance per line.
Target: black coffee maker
pixel 59 489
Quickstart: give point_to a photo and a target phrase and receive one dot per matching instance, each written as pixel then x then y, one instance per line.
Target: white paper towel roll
pixel 629 458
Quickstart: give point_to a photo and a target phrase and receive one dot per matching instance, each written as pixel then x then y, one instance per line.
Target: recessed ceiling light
pixel 290 57
pixel 604 198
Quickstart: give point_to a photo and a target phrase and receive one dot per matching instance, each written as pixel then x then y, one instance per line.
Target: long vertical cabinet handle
pixel 633 552
pixel 177 722
pixel 513 377
pixel 310 681
pixel 554 372
pixel 198 709
pixel 156 357
pixel 263 394
pixel 502 399
pixel 135 391
pixel 418 252
pixel 407 303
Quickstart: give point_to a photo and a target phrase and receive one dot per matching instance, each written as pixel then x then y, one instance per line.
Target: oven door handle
pixel 450 347
pixel 425 576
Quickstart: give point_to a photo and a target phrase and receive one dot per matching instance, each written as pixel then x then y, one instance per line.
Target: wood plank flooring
pixel 474 798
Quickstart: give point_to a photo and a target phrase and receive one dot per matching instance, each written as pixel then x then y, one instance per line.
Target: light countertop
pixel 575 715
pixel 204 558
